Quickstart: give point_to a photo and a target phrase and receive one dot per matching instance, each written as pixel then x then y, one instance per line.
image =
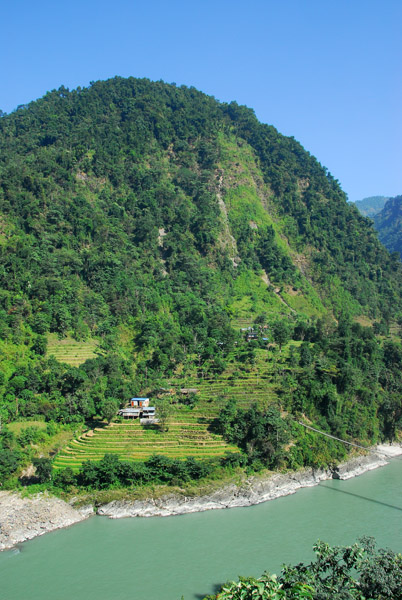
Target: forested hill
pixel 106 189
pixel 388 223
pixel 156 221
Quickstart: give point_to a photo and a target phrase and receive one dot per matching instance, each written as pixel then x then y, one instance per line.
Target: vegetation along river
pixel 165 558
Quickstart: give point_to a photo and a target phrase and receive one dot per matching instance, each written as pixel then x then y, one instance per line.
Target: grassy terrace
pixel 69 351
pixel 247 384
pixel 131 441
pixel 189 431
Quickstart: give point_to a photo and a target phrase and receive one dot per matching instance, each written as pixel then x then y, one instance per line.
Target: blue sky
pixel 329 73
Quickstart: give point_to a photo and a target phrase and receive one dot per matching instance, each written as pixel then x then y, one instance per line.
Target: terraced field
pixel 133 442
pixel 69 351
pixel 240 322
pixel 246 389
pixel 188 433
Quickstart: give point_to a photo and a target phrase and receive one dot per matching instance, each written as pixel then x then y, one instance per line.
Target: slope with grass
pixel 70 351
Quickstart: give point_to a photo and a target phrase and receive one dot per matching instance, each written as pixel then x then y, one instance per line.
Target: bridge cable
pixel 349 443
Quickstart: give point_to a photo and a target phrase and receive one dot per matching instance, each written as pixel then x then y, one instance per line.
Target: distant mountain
pixel 371 206
pixel 388 223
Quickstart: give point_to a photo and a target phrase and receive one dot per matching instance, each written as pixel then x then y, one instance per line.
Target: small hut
pixel 186 391
pixel 129 413
pixel 139 402
pixel 138 408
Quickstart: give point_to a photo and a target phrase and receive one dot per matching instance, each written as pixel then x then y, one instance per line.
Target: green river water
pixel 165 558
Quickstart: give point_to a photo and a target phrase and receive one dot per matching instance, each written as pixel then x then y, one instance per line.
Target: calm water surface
pixel 165 558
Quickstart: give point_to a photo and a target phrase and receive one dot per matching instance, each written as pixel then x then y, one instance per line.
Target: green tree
pixel 40 345
pixel 163 413
pixel 281 332
pixel 108 408
pixel 266 587
pixel 64 478
pixel 9 462
pixel 43 469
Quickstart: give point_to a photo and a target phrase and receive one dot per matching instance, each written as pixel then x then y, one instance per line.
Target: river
pixel 163 558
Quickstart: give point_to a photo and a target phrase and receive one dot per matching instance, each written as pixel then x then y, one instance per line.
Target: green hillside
pixel 144 228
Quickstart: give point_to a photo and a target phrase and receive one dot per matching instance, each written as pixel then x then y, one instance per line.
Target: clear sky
pixel 328 72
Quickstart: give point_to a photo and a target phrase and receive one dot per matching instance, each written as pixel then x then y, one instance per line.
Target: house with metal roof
pixel 187 391
pixel 129 413
pixel 138 408
pixel 139 402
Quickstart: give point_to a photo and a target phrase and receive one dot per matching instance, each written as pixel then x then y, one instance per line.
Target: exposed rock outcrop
pixel 25 518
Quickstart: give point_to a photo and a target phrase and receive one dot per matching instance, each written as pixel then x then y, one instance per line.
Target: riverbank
pixel 253 490
pixel 22 519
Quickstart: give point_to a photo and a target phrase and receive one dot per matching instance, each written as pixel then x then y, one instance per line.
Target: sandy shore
pixel 24 518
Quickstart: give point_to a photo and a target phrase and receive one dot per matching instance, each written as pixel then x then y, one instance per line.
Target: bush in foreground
pixel 357 572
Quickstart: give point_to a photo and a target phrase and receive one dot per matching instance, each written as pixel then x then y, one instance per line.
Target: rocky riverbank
pixel 253 490
pixel 24 518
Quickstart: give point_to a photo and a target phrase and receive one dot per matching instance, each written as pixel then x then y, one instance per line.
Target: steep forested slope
pixel 154 221
pixel 388 223
pixel 89 177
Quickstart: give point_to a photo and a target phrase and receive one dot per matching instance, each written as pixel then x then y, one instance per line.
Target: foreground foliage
pixel 358 572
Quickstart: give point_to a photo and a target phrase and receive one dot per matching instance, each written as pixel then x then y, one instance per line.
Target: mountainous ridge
pixel 388 223
pixel 371 206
